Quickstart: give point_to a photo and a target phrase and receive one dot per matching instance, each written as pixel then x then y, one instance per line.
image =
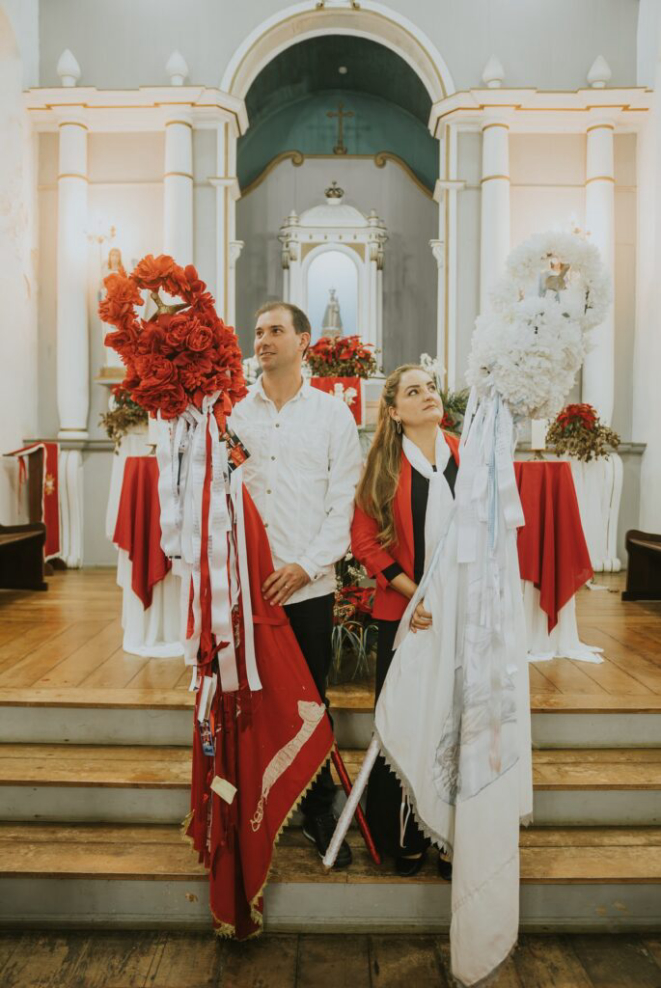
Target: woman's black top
pixel 419 496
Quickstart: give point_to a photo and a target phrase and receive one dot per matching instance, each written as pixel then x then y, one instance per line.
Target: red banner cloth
pixel 553 554
pixel 50 492
pixel 269 746
pixel 327 384
pixel 138 527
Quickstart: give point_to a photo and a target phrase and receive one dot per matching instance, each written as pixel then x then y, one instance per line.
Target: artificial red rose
pixel 152 271
pixel 178 329
pixel 122 340
pixel 200 337
pixel 155 370
pixel 193 369
pixel 122 289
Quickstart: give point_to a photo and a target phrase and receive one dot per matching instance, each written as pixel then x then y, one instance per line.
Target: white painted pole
pixel 598 380
pixel 351 804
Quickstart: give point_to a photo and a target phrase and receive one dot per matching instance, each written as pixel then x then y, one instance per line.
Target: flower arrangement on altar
pixel 531 344
pixel 342 356
pixel 354 633
pixel 124 414
pixel 578 432
pixel 454 402
pixel 181 355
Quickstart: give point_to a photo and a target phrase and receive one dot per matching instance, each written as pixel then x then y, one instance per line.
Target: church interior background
pixel 392 151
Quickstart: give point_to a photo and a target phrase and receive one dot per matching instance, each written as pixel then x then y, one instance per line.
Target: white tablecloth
pixel 563 642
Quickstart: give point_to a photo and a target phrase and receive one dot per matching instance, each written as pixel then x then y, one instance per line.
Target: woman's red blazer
pixel 389 604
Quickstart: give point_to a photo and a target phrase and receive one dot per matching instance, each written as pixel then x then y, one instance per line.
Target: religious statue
pixel 331 324
pixel 556 280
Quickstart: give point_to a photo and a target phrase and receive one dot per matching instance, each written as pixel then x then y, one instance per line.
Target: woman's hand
pixel 421 619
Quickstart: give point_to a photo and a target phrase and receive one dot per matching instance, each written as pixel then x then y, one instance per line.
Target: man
pixel 302 473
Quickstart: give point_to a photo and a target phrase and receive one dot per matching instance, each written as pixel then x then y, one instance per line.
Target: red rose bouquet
pixel 184 352
pixel 342 356
pixel 578 432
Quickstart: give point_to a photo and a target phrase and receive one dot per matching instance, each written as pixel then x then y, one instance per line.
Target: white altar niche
pixel 333 247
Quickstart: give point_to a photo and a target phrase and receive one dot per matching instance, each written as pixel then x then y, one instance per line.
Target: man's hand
pixel 421 619
pixel 282 583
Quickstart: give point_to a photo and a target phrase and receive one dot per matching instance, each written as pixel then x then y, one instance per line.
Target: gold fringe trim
pixel 227 930
pixel 255 914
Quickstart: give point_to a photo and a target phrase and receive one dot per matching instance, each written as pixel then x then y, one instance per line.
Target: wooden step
pixel 146 876
pixel 548 855
pixel 120 766
pixel 147 784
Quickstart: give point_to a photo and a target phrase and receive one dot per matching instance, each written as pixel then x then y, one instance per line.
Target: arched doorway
pixel 326 102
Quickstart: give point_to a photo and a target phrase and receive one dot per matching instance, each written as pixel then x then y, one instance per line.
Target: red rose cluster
pixel 582 415
pixel 342 356
pixel 183 352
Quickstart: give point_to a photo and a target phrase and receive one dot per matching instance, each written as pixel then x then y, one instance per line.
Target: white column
pixel 73 387
pixel 438 250
pixel 227 192
pixel 178 188
pixel 495 212
pixel 598 381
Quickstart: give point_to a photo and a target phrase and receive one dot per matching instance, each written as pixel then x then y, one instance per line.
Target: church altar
pixel 553 559
pixel 150 587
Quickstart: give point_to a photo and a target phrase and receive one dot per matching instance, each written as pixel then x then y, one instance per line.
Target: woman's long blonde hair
pixel 378 485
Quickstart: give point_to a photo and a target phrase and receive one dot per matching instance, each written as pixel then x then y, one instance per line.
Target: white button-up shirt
pixel 302 473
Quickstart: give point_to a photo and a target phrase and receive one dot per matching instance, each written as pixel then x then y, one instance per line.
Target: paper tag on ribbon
pixel 224 789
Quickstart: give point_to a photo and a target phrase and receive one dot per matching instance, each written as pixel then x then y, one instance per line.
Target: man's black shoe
pixel 319 830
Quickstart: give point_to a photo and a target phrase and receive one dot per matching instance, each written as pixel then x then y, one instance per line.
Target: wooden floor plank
pixel 86 659
pixel 47 655
pixel 188 960
pixel 549 962
pixel 100 766
pixel 628 658
pixel 158 674
pixel 268 962
pixel 337 962
pixel 116 672
pixel 405 960
pixel 41 961
pixel 652 945
pixel 568 677
pixel 617 960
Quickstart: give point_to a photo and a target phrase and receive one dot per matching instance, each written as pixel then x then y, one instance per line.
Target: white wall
pixel 120 43
pixel 18 287
pixel 409 274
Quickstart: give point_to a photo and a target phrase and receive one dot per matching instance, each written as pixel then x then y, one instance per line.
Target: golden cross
pixel 341 115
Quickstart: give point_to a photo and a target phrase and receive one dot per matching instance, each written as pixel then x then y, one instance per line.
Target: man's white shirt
pixel 302 472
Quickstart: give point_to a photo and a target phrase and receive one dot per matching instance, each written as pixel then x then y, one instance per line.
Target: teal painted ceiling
pixel 313 66
pixel 288 104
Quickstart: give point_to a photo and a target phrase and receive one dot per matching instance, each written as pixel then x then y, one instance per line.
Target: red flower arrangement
pixel 184 351
pixel 342 356
pixel 578 432
pixel 351 601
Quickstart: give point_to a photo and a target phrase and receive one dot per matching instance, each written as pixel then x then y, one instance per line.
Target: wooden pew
pixel 644 570
pixel 22 556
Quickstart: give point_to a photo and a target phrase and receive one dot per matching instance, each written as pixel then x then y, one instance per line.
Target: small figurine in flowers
pixel 578 432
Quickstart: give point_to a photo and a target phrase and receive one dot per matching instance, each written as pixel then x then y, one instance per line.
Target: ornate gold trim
pixel 490 178
pixel 600 127
pixel 359 249
pixel 72 175
pixel 72 123
pixel 297 158
pixel 600 178
pixel 487 126
pixel 178 175
pixel 184 123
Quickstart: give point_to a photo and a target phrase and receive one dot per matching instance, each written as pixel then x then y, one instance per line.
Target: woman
pixel 388 538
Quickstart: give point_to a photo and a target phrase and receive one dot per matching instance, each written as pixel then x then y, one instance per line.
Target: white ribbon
pixel 182 470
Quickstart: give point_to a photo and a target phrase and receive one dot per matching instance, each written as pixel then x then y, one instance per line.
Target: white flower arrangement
pixel 530 347
pixel 434 368
pixel 251 369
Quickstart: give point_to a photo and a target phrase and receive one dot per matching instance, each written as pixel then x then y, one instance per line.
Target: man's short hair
pixel 298 317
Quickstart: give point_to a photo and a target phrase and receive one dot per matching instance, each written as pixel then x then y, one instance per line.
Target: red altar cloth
pixel 138 528
pixel 327 384
pixel 553 554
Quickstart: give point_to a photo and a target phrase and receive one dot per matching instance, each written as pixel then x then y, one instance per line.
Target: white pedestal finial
pixel 68 68
pixel 600 73
pixel 177 69
pixel 494 73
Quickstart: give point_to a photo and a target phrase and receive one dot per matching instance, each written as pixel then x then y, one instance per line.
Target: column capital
pixel 235 248
pixel 447 185
pixel 173 115
pixel 438 250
